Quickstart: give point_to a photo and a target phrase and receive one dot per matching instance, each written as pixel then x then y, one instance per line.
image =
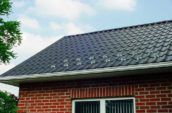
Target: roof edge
pixel 68 74
pixel 124 27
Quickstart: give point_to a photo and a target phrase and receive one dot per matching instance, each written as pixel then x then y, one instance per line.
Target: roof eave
pixel 89 73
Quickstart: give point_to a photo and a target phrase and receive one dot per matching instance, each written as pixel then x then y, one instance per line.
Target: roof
pixel 126 46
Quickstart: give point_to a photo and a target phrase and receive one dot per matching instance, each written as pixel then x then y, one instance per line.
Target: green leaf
pixel 8 103
pixel 10 34
pixel 5 7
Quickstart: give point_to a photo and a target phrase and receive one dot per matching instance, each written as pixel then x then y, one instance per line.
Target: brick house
pixel 123 70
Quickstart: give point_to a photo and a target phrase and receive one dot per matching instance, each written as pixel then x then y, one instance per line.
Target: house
pixel 123 70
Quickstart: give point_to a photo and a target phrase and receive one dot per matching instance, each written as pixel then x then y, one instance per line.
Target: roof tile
pixel 134 45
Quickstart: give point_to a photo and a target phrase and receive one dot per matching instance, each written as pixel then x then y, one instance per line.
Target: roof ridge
pixel 119 28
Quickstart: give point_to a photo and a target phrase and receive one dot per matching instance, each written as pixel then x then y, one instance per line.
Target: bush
pixel 8 103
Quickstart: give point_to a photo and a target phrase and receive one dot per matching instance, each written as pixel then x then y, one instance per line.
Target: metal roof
pixel 133 45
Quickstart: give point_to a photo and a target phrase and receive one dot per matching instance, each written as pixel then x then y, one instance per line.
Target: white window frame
pixel 102 103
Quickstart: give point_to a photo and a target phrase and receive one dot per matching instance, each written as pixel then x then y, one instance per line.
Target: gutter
pixel 89 73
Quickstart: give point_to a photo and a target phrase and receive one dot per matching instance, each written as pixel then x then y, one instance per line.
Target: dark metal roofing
pixel 141 44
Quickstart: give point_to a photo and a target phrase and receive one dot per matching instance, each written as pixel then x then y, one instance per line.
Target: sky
pixel 46 21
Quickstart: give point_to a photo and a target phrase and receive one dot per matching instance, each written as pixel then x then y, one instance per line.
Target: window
pixel 109 105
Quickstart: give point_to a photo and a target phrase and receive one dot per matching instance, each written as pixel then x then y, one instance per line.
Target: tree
pixel 10 34
pixel 8 103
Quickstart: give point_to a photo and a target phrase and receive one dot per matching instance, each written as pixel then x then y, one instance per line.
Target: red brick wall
pixel 153 94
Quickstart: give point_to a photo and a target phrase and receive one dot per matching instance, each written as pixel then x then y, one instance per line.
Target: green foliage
pixel 10 34
pixel 5 7
pixel 7 103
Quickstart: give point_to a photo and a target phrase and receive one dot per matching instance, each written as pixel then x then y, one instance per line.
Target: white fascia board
pixel 86 72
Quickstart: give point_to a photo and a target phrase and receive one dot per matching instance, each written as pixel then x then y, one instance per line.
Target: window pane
pixel 119 106
pixel 87 107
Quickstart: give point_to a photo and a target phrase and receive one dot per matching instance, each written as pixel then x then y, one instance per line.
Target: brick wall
pixel 153 94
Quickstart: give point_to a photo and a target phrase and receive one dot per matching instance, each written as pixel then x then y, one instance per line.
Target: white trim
pixel 102 102
pixel 102 106
pixel 134 102
pixel 73 106
pixel 88 71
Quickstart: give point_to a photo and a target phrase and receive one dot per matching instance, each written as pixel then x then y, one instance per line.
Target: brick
pixel 150 88
pixel 150 103
pixel 154 92
pixel 161 95
pixel 155 107
pixel 140 89
pixel 21 104
pixel 144 92
pixel 139 96
pixel 162 110
pixel 152 111
pixel 161 103
pixel 21 111
pixel 140 103
pixel 170 95
pixel 150 96
pixel 170 87
pixel 155 99
pixel 170 110
pixel 52 97
pixel 140 111
pixel 168 106
pixel 154 84
pixel 165 84
pixel 144 100
pixel 166 99
pixel 144 107
pixel 143 85
pixel 161 88
pixel 170 103
pixel 166 92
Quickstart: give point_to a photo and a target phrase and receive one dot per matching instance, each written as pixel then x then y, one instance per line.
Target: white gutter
pixel 86 72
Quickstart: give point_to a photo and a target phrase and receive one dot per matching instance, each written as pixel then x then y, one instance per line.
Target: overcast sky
pixel 45 21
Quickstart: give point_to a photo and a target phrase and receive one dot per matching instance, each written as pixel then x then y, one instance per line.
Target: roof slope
pixel 141 44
